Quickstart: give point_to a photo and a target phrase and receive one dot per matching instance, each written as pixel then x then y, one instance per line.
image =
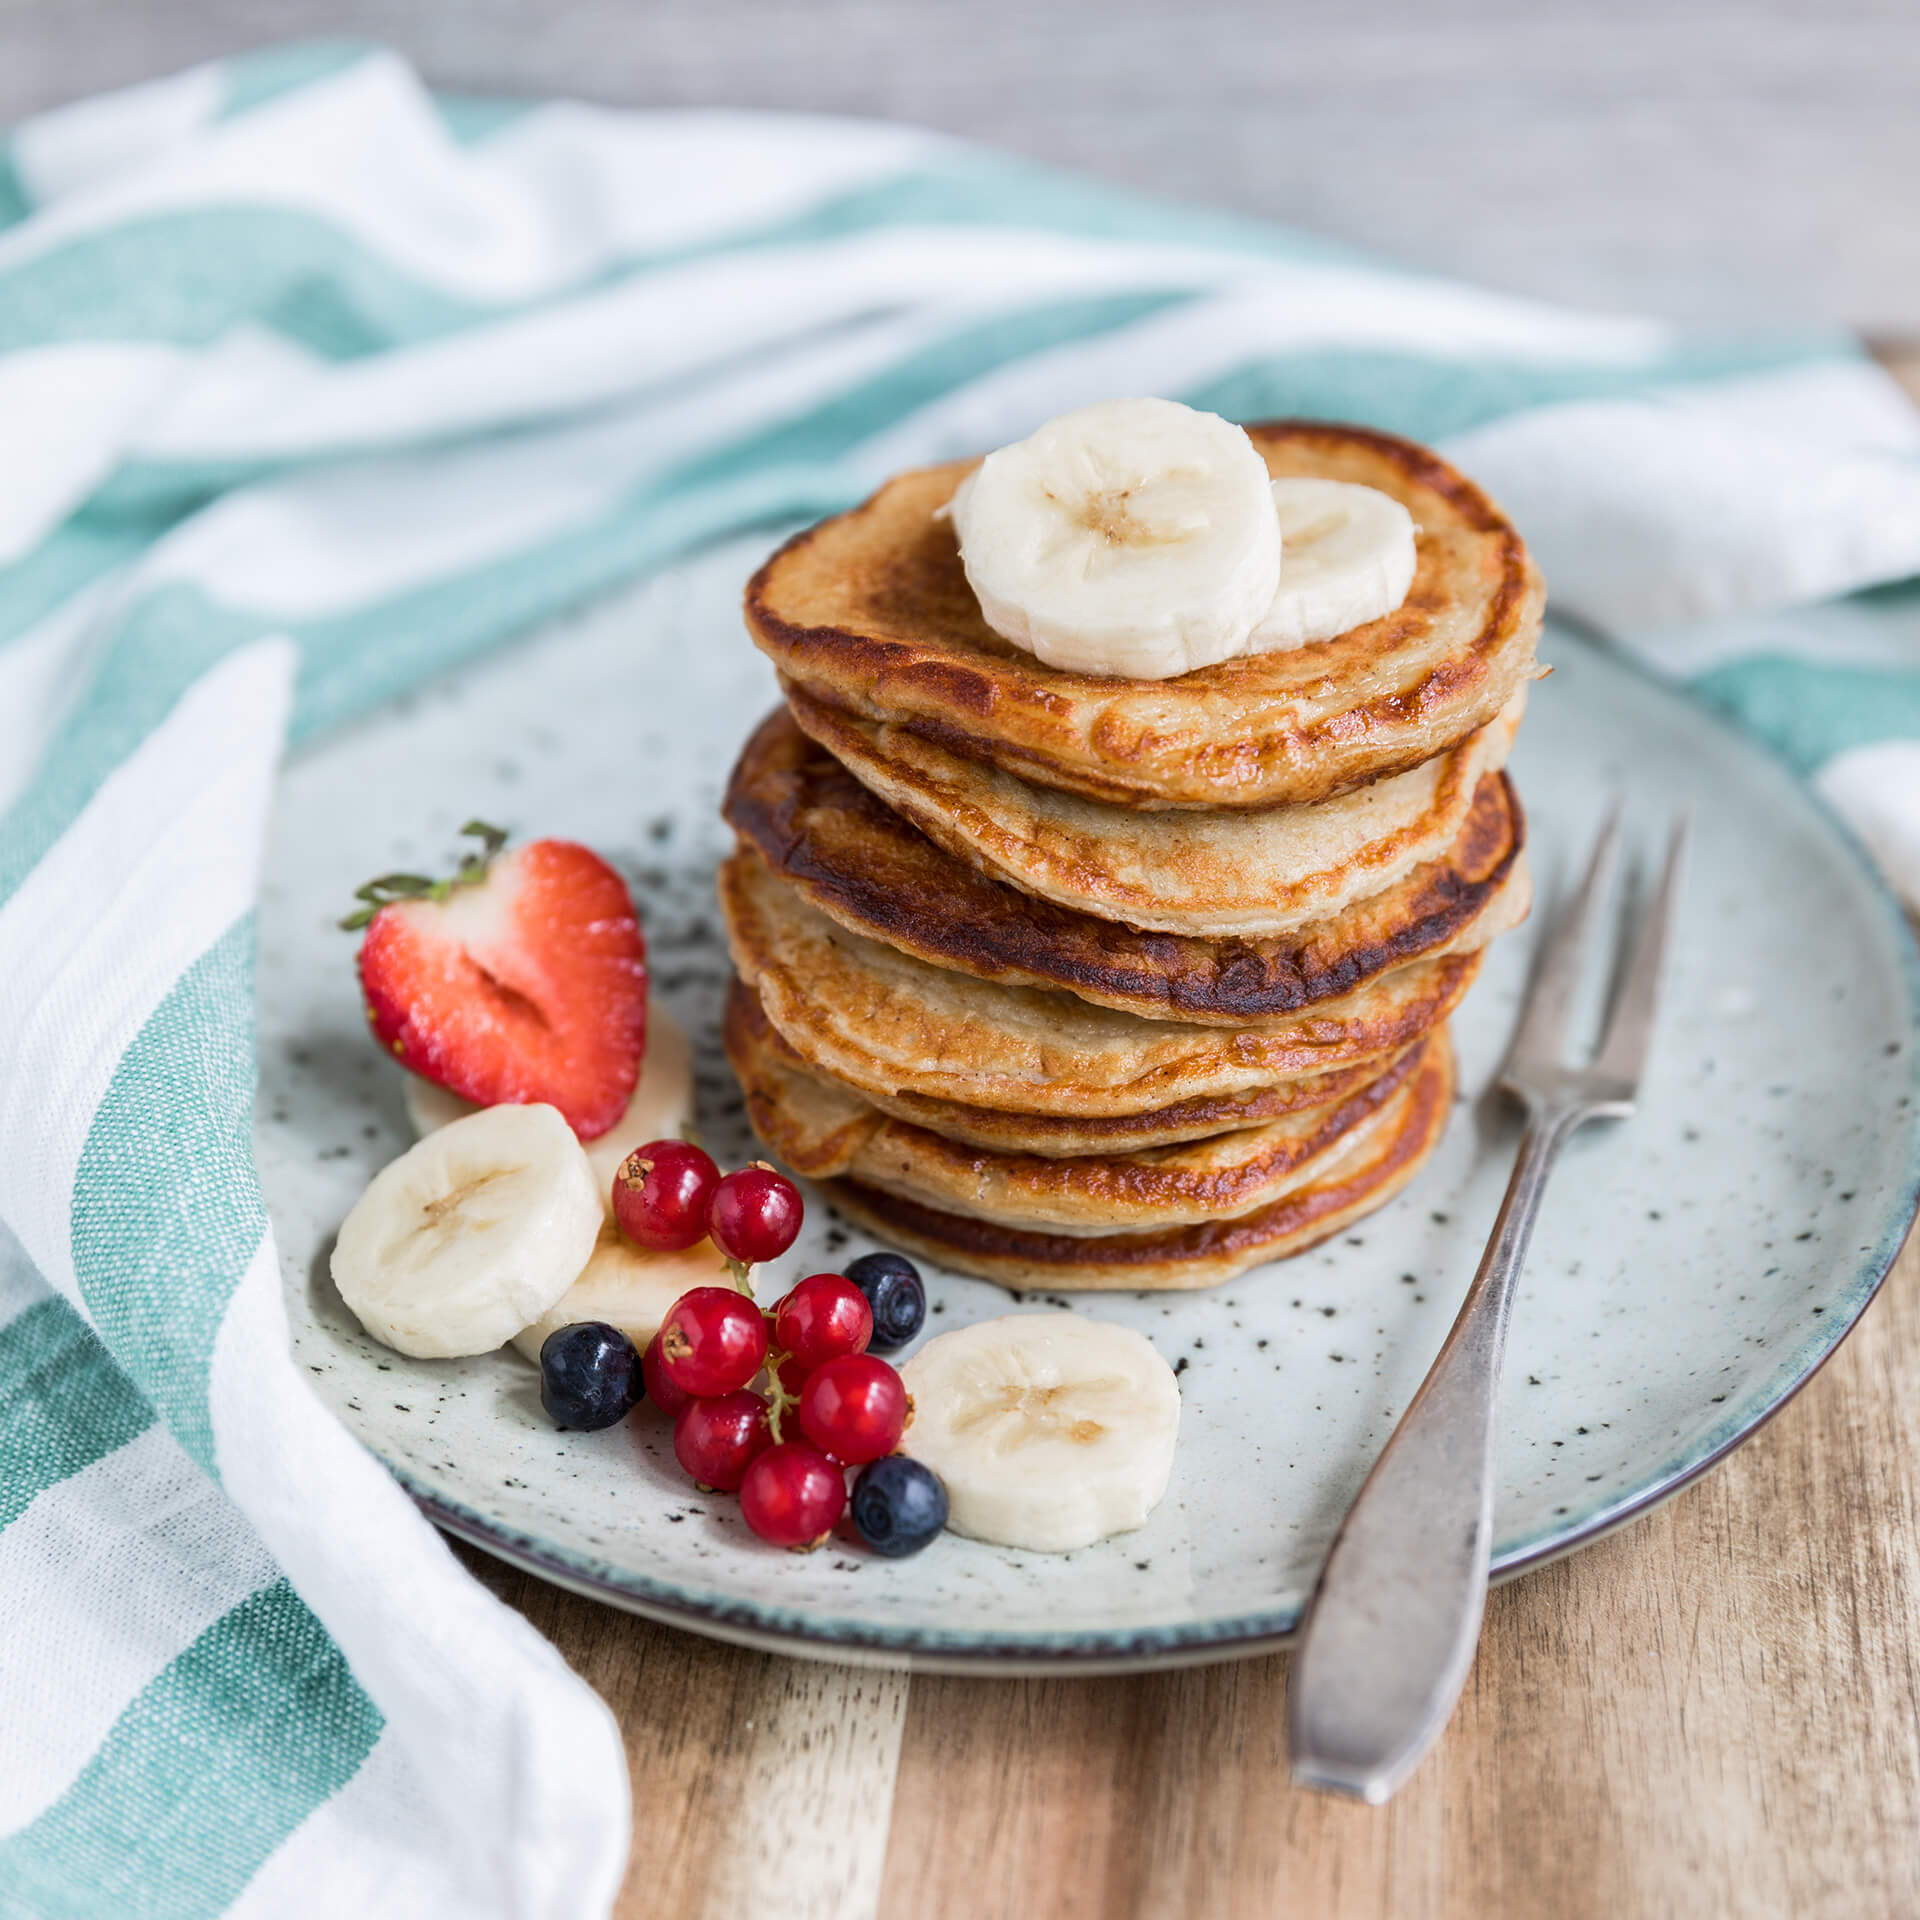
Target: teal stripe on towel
pixel 186 278
pixel 62 564
pixel 63 1404
pixel 256 79
pixel 838 426
pixel 970 187
pixel 14 204
pixel 205 1774
pixel 253 79
pixel 1809 712
pixel 175 1130
pixel 1430 398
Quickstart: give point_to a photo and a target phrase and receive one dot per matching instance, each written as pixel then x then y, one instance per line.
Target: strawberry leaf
pixel 390 887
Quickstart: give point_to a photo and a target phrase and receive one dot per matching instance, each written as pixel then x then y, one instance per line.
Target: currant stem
pixel 779 1401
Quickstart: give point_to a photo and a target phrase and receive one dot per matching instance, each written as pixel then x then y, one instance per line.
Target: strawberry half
pixel 521 980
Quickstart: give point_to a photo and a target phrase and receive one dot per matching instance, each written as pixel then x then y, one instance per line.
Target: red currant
pixel 712 1341
pixel 661 1391
pixel 661 1194
pixel 792 1495
pixel 854 1408
pixel 716 1440
pixel 825 1316
pixel 755 1214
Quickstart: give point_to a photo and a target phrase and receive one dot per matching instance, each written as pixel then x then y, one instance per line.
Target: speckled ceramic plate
pixel 1692 1267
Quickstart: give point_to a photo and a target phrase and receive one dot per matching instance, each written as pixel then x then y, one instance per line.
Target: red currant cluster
pixel 809 1356
pixel 736 1381
pixel 669 1194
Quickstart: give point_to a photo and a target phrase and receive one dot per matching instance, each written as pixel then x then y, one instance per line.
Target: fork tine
pixel 1542 1034
pixel 1623 1052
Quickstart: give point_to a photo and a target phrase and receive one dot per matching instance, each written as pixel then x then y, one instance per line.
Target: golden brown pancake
pixel 1384 1153
pixel 871 612
pixel 865 867
pixel 821 1128
pixel 747 1031
pixel 884 1022
pixel 1228 873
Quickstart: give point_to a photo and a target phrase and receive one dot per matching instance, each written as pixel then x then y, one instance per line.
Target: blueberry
pixel 589 1375
pixel 898 1505
pixel 893 1290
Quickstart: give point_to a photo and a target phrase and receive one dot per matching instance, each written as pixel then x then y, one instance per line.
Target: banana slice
pixel 628 1287
pixel 471 1234
pixel 1347 556
pixel 661 1108
pixel 1134 538
pixel 1050 1430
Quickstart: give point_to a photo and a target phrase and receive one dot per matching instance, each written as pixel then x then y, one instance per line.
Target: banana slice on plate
pixel 1134 538
pixel 1347 556
pixel 1050 1430
pixel 471 1234
pixel 661 1107
pixel 628 1287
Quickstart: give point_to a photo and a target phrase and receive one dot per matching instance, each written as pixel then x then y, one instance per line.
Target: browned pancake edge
pixel 864 866
pixel 871 611
pixel 1184 1257
pixel 746 1030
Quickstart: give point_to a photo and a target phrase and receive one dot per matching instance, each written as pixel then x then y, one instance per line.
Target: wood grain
pixel 1714 1712
pixel 746 1769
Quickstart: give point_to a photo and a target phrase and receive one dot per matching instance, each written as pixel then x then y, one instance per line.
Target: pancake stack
pixel 1072 981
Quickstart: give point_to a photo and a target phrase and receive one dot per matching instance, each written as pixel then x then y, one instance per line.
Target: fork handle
pixel 1390 1632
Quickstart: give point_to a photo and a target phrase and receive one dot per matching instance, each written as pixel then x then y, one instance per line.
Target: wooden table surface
pixel 1716 1711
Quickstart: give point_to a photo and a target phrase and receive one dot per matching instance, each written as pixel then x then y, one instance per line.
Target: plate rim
pixel 1092 1650
pixel 1082 1651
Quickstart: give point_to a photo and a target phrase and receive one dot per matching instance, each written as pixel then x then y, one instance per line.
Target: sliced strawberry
pixel 524 981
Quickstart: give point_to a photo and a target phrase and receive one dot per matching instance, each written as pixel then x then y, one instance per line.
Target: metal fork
pixel 1390 1632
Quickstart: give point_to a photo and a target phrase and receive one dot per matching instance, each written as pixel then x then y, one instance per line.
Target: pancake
pixel 812 1124
pixel 822 1129
pixel 871 612
pixel 880 1020
pixel 746 1028
pixel 1238 872
pixel 861 864
pixel 1383 1153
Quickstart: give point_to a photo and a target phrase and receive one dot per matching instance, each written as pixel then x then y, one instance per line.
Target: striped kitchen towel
pixel 312 385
